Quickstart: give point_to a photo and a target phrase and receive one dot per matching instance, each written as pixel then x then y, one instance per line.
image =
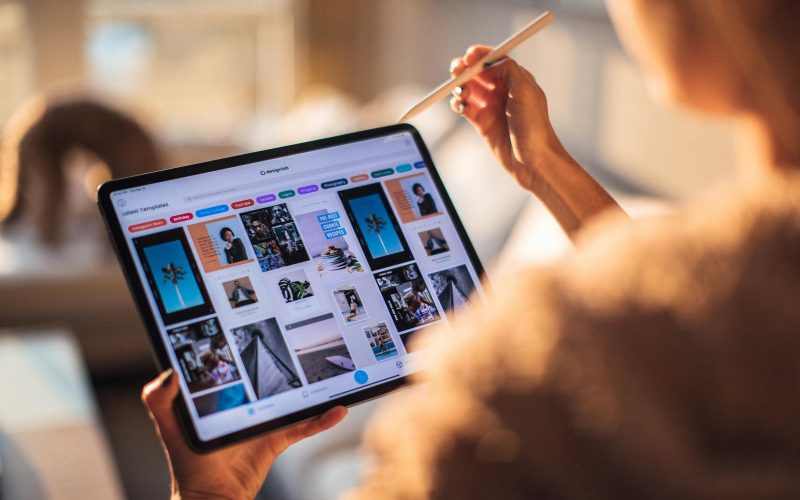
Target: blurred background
pixel 91 89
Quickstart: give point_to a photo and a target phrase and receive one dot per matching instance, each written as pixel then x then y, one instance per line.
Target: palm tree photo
pixel 174 273
pixel 375 223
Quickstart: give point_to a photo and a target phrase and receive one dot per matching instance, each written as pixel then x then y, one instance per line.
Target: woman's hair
pixel 762 40
pixel 416 186
pixel 224 230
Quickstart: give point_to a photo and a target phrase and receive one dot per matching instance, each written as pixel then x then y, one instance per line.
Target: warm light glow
pixel 19 123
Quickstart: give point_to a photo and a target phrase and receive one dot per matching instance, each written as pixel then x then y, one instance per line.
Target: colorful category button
pixel 205 212
pixel 329 235
pixel 403 168
pixel 242 203
pixel 334 184
pixel 359 178
pixel 382 172
pixel 312 188
pixel 327 217
pixel 266 198
pixel 420 164
pixel 286 194
pixel 144 226
pixel 181 218
pixel 361 377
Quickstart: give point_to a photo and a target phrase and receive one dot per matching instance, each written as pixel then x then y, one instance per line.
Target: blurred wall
pixel 597 97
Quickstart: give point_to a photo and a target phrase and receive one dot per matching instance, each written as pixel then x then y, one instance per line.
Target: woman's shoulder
pixel 735 239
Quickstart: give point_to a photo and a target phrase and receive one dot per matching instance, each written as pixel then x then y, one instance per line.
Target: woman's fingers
pixel 478 104
pixel 317 425
pixel 158 397
pixel 519 84
pixel 456 66
pixel 475 53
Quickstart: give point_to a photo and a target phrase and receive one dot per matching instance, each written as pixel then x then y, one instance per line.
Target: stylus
pixel 501 50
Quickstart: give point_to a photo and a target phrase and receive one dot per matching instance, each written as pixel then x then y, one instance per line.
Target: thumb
pixel 158 396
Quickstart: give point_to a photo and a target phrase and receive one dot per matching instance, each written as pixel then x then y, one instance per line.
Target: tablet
pixel 281 283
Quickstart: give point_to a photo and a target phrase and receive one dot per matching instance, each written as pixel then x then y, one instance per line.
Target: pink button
pixel 181 218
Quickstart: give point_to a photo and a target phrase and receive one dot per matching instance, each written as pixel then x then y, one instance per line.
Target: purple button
pixel 308 189
pixel 266 198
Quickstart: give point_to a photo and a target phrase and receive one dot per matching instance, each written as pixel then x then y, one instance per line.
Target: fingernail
pixel 458 91
pixel 167 377
pixel 453 65
pixel 460 108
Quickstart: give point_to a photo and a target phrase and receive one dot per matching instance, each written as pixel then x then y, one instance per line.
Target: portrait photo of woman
pixel 234 248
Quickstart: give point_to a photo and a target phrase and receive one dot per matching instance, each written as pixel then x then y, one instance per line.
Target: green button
pixel 286 194
pixel 404 167
pixel 383 172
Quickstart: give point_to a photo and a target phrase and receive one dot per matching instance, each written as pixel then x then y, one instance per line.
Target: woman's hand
pixel 509 110
pixel 234 472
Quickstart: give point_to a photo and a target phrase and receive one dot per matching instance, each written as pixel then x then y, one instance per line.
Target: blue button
pixel 333 184
pixel 205 212
pixel 420 164
pixel 361 377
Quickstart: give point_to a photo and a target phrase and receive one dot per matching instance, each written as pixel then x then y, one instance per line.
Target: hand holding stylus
pixel 488 58
pixel 509 110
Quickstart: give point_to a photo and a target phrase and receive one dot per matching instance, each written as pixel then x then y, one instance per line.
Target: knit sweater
pixel 661 361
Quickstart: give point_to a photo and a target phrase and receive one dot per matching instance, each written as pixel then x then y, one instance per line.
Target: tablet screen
pixel 285 283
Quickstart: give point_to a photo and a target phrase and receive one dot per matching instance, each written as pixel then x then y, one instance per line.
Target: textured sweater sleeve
pixel 632 372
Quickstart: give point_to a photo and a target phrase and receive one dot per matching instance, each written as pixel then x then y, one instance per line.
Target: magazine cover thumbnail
pixel 204 356
pixel 240 292
pixel 349 303
pixel 221 400
pixel 454 288
pixel 219 243
pixel 376 227
pixel 433 241
pixel 274 236
pixel 414 197
pixel 324 239
pixel 173 276
pixel 294 286
pixel 320 348
pixel 266 358
pixel 407 297
pixel 381 341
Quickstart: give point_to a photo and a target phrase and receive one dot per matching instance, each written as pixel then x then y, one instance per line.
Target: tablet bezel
pixel 159 347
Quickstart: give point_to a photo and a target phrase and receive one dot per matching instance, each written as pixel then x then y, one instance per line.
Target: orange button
pixel 144 226
pixel 241 204
pixel 359 178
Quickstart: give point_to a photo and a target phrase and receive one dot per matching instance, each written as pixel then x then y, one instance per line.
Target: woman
pixel 425 203
pixel 353 309
pixel 663 360
pixel 234 248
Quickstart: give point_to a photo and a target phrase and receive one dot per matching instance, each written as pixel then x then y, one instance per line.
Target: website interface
pixel 283 284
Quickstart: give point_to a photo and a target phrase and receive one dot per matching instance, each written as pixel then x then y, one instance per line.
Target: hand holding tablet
pixel 233 472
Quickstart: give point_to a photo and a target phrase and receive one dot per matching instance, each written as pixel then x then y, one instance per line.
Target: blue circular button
pixel 361 377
